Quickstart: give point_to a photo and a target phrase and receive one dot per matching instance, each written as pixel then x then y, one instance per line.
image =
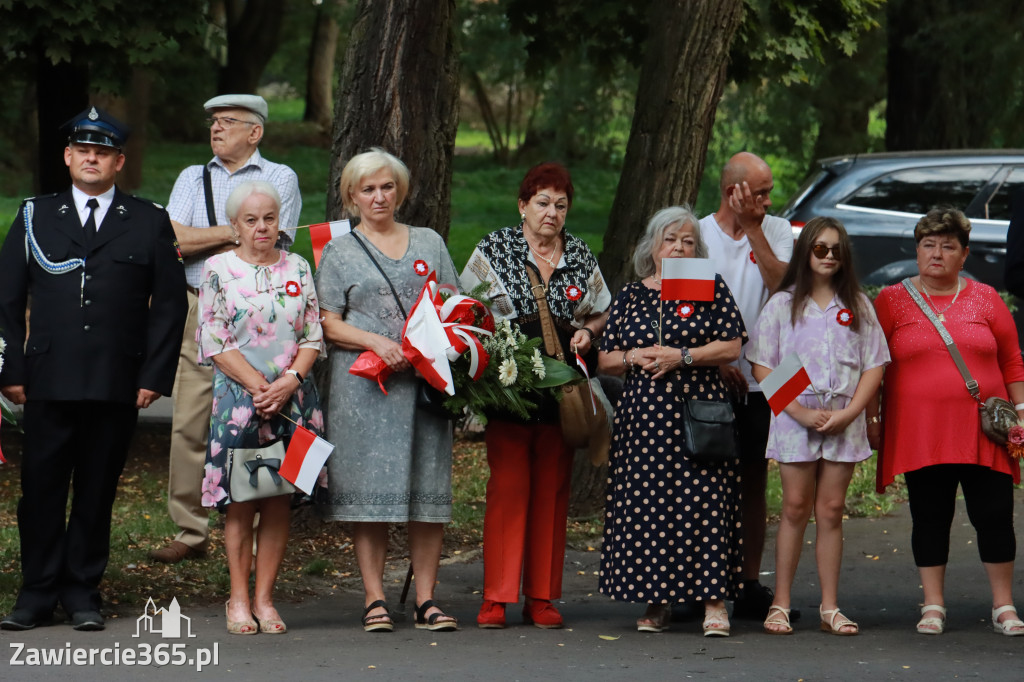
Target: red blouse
pixel 928 417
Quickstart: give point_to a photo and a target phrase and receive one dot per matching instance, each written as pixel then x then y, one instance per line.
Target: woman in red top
pixel 929 428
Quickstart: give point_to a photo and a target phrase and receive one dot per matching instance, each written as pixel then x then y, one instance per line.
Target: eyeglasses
pixel 227 121
pixel 821 250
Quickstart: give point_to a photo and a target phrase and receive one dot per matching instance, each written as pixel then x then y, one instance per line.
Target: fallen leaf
pixel 608 637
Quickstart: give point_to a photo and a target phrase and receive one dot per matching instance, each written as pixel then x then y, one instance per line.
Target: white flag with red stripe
pixel 583 368
pixel 304 459
pixel 321 233
pixel 687 279
pixel 785 383
pixel 425 342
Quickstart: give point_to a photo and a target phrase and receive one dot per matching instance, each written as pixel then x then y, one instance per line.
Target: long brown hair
pixel 798 274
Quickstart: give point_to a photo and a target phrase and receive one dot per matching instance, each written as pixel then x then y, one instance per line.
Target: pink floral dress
pixel 268 313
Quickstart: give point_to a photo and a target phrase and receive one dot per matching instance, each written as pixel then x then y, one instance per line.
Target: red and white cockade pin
pixel 684 310
pixel 752 259
pixel 845 317
pixel 420 266
pixel 292 288
pixel 573 292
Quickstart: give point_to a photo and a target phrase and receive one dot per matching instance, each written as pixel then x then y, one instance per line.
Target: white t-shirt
pixel 733 259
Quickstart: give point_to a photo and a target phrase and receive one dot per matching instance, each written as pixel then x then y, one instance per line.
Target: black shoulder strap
pixel 382 273
pixel 211 213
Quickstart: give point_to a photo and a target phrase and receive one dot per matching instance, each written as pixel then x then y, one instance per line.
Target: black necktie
pixel 90 222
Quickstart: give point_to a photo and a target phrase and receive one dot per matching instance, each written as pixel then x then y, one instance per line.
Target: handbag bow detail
pixel 272 464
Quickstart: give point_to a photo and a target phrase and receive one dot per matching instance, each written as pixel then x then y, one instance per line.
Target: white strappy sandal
pixel 1011 627
pixel 932 625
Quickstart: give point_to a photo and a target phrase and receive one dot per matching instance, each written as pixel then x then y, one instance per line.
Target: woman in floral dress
pixel 260 328
pixel 672 524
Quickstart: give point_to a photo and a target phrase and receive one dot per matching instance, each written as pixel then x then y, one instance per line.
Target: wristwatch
pixel 294 373
pixel 687 358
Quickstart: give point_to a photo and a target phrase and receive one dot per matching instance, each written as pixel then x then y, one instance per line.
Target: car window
pixel 999 206
pixel 917 190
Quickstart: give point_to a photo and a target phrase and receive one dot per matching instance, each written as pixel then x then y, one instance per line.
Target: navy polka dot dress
pixel 672 526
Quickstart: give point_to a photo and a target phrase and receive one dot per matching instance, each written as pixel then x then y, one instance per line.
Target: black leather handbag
pixel 709 431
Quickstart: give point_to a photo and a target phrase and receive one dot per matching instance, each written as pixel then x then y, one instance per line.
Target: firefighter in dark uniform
pixel 99 275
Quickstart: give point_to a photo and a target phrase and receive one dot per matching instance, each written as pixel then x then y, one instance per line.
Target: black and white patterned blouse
pixel 576 290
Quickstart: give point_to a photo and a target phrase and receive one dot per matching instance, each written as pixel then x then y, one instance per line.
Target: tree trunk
pixel 399 90
pixel 680 84
pixel 136 116
pixel 252 39
pixel 61 93
pixel 320 73
pixel 494 131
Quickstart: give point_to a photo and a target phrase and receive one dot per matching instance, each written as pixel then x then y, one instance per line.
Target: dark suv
pixel 880 197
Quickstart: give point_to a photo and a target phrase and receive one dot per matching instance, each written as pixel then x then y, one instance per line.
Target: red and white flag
pixel 321 233
pixel 304 459
pixel 425 342
pixel 583 368
pixel 785 383
pixel 687 279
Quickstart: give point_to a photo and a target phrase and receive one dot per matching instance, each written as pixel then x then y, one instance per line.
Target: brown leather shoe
pixel 175 552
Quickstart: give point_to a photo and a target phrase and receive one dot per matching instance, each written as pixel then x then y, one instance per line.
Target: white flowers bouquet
pixel 515 377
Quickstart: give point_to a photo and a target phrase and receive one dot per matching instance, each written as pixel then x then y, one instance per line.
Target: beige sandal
pixel 239 627
pixel 781 618
pixel 716 623
pixel 932 625
pixel 833 623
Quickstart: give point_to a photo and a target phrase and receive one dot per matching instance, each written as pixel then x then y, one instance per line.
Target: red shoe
pixel 492 615
pixel 542 613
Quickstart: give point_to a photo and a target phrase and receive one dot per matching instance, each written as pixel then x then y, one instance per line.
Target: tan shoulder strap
pixel 551 344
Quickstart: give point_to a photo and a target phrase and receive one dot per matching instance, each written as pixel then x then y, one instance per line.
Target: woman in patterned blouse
pixel 530 464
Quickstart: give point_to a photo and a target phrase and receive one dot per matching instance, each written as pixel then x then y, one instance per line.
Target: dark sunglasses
pixel 820 251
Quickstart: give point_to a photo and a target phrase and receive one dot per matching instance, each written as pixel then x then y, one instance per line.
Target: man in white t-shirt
pixel 750 250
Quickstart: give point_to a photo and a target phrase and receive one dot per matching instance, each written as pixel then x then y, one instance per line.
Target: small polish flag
pixel 689 279
pixel 304 459
pixel 785 383
pixel 321 233
pixel 583 368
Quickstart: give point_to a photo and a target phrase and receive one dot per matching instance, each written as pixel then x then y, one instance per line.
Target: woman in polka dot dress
pixel 672 526
pixel 820 314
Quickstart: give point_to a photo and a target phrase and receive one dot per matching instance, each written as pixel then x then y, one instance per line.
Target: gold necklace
pixel 942 317
pixel 550 261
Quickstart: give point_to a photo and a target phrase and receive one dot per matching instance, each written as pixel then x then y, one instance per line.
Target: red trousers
pixel 527 506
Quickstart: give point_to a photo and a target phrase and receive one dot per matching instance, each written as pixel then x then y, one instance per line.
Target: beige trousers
pixel 190 429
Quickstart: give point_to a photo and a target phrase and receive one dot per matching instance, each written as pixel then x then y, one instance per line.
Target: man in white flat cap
pixel 197 210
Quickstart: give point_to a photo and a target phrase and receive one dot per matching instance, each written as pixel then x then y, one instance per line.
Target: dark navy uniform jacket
pixel 104 335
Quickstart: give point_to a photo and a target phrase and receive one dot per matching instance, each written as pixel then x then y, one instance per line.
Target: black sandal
pixel 380 623
pixel 424 623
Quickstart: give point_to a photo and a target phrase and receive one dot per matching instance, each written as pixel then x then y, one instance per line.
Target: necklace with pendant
pixel 550 261
pixel 941 313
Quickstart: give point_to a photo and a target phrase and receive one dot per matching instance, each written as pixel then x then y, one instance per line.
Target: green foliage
pixel 114 34
pixel 782 39
pixel 554 79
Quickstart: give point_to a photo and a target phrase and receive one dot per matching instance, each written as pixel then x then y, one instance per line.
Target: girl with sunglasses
pixel 818 312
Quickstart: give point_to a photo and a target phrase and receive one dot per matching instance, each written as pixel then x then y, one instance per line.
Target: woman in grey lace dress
pixel 393 461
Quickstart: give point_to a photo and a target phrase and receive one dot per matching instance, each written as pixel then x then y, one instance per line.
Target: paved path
pixel 879 589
